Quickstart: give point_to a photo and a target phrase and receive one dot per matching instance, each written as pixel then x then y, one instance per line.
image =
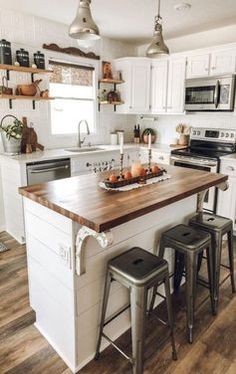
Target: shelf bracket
pixel 10 103
pixel 32 77
pixel 33 103
pixel 105 239
pixel 8 74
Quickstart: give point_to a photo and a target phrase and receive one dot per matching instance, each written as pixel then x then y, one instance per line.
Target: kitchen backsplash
pixel 165 125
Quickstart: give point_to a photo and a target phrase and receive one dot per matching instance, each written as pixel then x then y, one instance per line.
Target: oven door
pixel 210 197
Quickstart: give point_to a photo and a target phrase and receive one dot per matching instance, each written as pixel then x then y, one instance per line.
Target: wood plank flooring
pixel 24 351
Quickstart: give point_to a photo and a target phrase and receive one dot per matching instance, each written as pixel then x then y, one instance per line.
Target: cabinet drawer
pixel 162 158
pixel 228 168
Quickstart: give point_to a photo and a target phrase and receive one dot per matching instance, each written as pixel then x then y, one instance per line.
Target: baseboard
pixel 54 346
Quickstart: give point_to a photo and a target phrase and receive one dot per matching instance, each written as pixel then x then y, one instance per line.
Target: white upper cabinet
pixel 159 71
pixel 176 85
pixel 135 92
pixel 223 62
pixel 198 66
pixel 167 85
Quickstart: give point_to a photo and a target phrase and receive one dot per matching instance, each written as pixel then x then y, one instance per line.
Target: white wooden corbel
pixel 201 195
pixel 105 239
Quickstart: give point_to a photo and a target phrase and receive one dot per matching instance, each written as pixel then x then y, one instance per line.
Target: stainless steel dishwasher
pixel 47 171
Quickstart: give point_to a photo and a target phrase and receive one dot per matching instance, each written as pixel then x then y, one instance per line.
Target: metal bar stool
pixel 137 270
pixel 217 226
pixel 190 242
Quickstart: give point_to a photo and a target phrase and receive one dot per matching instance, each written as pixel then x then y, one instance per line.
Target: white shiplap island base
pixel 67 303
pixel 71 233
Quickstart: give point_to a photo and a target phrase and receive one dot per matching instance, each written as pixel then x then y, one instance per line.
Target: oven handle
pixel 217 94
pixel 192 162
pixel 39 171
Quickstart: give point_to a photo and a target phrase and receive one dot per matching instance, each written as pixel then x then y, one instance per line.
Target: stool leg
pixel 209 256
pixel 217 249
pixel 138 298
pixel 170 315
pixel 191 281
pixel 103 315
pixel 231 259
pixel 154 292
pixel 178 271
pixel 161 249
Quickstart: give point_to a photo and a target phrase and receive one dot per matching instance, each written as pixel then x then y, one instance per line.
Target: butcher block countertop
pixel 82 200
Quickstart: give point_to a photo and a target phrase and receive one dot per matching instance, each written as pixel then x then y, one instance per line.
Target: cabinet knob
pixel 213 68
pixel 206 69
pixel 161 158
pixel 130 107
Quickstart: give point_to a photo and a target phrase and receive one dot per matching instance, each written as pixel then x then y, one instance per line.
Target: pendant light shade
pixel 83 27
pixel 157 46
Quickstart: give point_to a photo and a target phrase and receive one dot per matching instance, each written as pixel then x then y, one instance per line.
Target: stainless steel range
pixel 204 152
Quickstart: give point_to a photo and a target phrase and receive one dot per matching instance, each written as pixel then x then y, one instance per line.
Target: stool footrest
pixel 203 282
pixel 118 349
pixel 122 310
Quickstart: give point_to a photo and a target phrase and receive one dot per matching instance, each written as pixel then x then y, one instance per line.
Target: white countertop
pixel 50 154
pixel 231 157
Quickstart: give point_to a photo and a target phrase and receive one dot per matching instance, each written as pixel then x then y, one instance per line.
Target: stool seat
pixel 191 238
pixel 138 266
pixel 211 222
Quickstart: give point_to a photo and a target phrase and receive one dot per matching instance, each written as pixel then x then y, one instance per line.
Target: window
pixel 73 87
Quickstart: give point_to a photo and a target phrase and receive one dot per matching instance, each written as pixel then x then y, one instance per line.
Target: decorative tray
pixel 141 180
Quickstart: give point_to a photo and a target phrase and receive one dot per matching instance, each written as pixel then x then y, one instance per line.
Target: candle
pixel 149 141
pixel 122 143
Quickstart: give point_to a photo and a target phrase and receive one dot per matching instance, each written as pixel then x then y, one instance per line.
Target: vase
pixel 183 139
pixel 11 146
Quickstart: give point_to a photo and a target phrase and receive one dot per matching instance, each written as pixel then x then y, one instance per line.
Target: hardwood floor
pixel 23 350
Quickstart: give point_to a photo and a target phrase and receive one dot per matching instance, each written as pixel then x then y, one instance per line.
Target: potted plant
pixel 146 133
pixel 11 134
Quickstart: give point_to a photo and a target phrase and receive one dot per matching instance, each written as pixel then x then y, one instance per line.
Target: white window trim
pixel 95 64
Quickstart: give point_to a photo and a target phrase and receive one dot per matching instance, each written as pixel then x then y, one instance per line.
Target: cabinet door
pixel 140 87
pixel 176 85
pixel 161 157
pixel 159 72
pixel 223 62
pixel 198 66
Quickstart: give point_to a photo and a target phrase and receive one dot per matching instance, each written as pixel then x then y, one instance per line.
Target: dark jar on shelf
pixel 39 60
pixel 22 57
pixel 5 52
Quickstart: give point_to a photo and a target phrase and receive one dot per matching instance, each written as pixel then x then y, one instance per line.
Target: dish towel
pixel 134 186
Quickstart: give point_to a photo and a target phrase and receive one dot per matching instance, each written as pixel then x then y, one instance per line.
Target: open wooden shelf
pixel 24 69
pixel 23 97
pixel 113 103
pixel 111 81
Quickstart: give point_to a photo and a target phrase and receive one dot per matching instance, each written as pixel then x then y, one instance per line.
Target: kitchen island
pixel 73 227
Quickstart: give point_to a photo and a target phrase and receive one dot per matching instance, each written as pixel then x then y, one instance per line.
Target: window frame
pixel 81 62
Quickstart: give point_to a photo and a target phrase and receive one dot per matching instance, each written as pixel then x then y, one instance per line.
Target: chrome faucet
pixel 80 142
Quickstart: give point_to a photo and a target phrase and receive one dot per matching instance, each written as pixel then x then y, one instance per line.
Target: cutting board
pixel 29 142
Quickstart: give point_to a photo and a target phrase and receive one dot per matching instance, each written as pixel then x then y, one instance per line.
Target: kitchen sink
pixel 84 149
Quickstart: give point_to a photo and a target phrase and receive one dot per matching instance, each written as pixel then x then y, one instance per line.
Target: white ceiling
pixel 132 20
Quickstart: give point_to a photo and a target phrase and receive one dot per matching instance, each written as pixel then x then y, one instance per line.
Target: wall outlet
pixel 65 255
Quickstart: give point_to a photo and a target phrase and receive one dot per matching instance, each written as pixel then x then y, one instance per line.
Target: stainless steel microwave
pixel 210 94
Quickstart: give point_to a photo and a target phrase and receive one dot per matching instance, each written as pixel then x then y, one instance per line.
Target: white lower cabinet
pixel 158 157
pixel 226 206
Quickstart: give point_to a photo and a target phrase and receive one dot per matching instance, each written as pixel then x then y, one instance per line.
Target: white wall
pixel 31 32
pixel 203 39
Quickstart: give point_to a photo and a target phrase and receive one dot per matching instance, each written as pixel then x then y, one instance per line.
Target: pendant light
pixel 157 46
pixel 83 27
